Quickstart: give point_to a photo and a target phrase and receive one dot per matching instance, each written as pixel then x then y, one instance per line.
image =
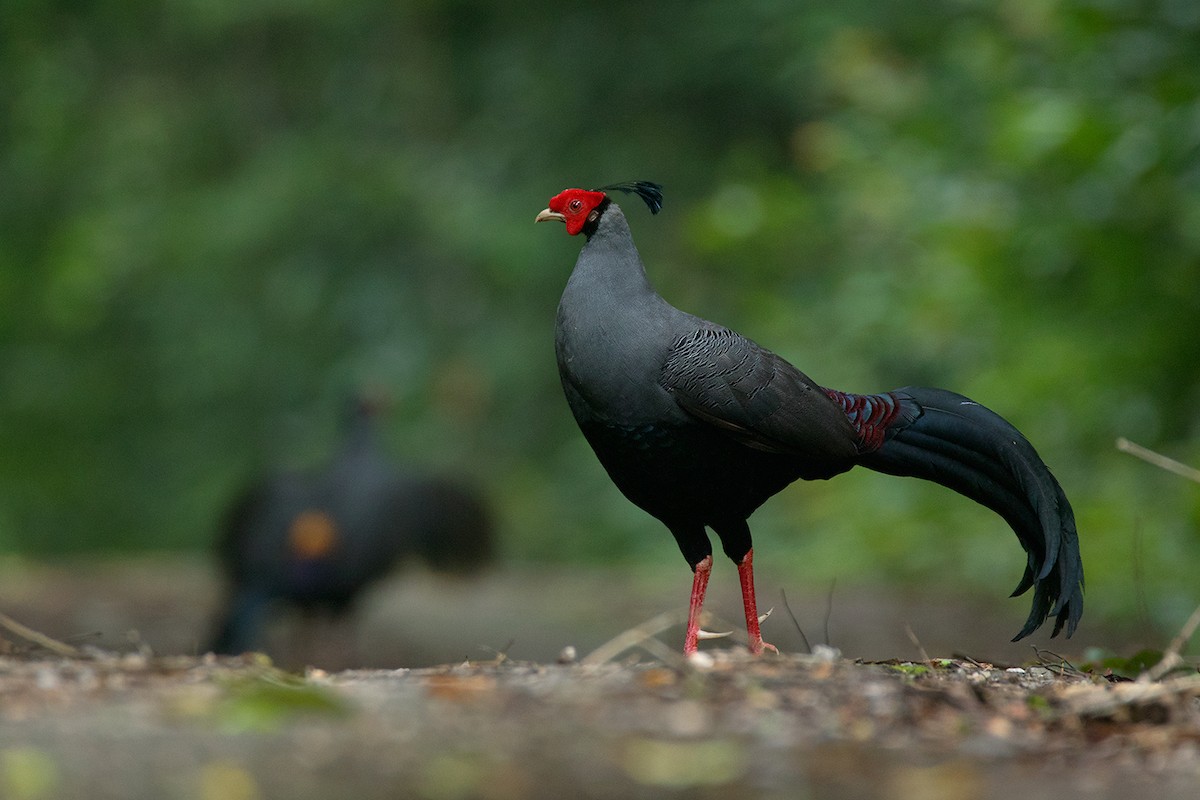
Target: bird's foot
pixel 699 586
pixel 759 647
pixel 753 619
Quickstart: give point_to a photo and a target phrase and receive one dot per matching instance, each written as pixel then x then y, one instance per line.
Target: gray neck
pixel 609 263
pixel 613 329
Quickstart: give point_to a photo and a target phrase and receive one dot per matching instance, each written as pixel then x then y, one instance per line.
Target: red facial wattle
pixel 573 207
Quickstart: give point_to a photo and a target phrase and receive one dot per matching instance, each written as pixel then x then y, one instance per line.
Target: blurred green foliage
pixel 217 218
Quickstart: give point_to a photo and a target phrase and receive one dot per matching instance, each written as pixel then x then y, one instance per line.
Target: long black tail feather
pixel 948 439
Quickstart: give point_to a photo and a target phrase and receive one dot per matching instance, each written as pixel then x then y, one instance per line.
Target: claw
pixel 703 634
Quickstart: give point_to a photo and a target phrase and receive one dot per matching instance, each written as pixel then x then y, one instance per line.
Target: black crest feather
pixel 651 193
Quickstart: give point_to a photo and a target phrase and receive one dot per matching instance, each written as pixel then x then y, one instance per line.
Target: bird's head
pixel 581 208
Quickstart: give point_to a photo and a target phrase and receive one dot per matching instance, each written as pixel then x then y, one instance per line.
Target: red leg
pixel 746 574
pixel 699 585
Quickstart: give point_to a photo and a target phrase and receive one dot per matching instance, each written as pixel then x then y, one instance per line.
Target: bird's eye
pixel 575 205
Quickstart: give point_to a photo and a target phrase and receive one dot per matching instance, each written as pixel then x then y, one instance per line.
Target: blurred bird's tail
pixel 948 439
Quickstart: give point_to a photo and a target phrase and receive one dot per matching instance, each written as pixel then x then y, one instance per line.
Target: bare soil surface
pixel 509 714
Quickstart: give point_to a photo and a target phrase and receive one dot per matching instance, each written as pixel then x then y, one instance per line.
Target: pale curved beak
pixel 545 215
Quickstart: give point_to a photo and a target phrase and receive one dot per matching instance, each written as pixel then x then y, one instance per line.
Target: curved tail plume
pixel 949 439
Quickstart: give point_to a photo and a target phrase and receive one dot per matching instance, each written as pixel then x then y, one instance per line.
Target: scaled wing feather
pixel 755 396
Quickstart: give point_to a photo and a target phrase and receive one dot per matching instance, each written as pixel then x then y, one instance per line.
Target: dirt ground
pixel 486 703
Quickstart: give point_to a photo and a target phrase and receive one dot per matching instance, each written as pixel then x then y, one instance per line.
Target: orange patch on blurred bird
pixel 312 534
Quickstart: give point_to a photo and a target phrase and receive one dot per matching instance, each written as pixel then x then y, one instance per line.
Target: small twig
pixel 41 639
pixel 1171 657
pixel 1089 700
pixel 641 635
pixel 1158 460
pixel 968 659
pixel 501 655
pixel 796 622
pixel 829 610
pixel 912 637
pixel 662 652
pixel 1056 661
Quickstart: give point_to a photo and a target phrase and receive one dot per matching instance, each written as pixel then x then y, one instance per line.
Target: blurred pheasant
pixel 315 540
